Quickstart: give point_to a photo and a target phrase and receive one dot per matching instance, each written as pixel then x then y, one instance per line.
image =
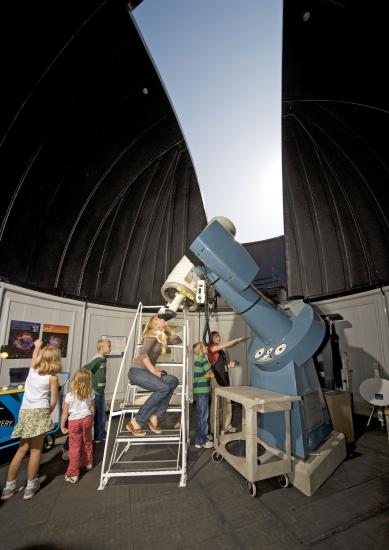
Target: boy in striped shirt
pixel 202 373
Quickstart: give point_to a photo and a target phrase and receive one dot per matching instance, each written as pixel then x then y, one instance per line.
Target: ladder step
pixel 175 346
pixel 140 392
pixel 166 433
pixel 169 365
pixel 147 439
pixel 173 471
pixel 135 409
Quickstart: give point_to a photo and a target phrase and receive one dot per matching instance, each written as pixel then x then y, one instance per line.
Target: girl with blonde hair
pixel 78 411
pixel 156 336
pixel 39 401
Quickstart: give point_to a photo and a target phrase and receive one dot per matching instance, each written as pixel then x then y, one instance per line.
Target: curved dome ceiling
pixel 335 153
pixel 99 194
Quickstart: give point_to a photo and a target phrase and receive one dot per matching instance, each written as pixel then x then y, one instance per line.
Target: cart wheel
pixel 252 488
pixel 283 480
pixel 48 443
pixel 217 457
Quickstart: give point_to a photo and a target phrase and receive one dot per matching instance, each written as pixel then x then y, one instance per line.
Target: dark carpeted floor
pixel 214 510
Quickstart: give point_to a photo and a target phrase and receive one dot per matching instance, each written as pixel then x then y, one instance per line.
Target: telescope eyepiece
pixel 167 315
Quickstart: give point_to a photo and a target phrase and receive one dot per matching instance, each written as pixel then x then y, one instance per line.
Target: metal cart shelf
pixel 273 462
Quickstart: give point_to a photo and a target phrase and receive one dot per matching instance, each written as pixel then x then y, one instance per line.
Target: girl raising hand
pixel 39 401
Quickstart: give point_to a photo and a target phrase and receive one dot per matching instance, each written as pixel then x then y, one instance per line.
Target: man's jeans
pixel 99 421
pixel 162 389
pixel 202 410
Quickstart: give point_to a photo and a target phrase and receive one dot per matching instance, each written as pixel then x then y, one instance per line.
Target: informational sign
pixel 22 335
pixel 56 336
pixel 118 345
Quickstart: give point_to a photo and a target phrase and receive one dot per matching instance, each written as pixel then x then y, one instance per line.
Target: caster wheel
pixel 252 488
pixel 283 480
pixel 216 457
pixel 48 443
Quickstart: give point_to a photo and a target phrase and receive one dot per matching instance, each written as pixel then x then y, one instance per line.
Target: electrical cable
pixel 207 337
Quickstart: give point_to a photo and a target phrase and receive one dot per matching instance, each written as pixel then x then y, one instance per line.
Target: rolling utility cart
pixel 273 462
pixel 11 398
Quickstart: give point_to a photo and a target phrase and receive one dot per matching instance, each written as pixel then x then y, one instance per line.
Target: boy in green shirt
pixel 202 373
pixel 98 367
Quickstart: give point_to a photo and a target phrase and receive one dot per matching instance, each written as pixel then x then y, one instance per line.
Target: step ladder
pixel 151 455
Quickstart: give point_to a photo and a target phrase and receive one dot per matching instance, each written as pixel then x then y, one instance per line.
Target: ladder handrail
pixel 118 379
pixel 184 394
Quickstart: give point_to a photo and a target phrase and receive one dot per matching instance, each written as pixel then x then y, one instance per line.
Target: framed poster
pixel 56 336
pixel 22 335
pixel 118 345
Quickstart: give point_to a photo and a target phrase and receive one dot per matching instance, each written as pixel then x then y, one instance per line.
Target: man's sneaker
pixel 198 446
pixel 207 445
pixel 89 467
pixel 9 492
pixel 65 454
pixel 31 490
pixel 210 437
pixel 71 479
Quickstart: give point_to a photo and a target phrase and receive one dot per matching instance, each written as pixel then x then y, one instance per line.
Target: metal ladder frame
pixel 181 440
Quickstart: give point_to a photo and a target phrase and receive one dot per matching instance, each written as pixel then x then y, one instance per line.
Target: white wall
pixel 25 305
pixel 363 335
pixel 88 322
pixel 107 321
